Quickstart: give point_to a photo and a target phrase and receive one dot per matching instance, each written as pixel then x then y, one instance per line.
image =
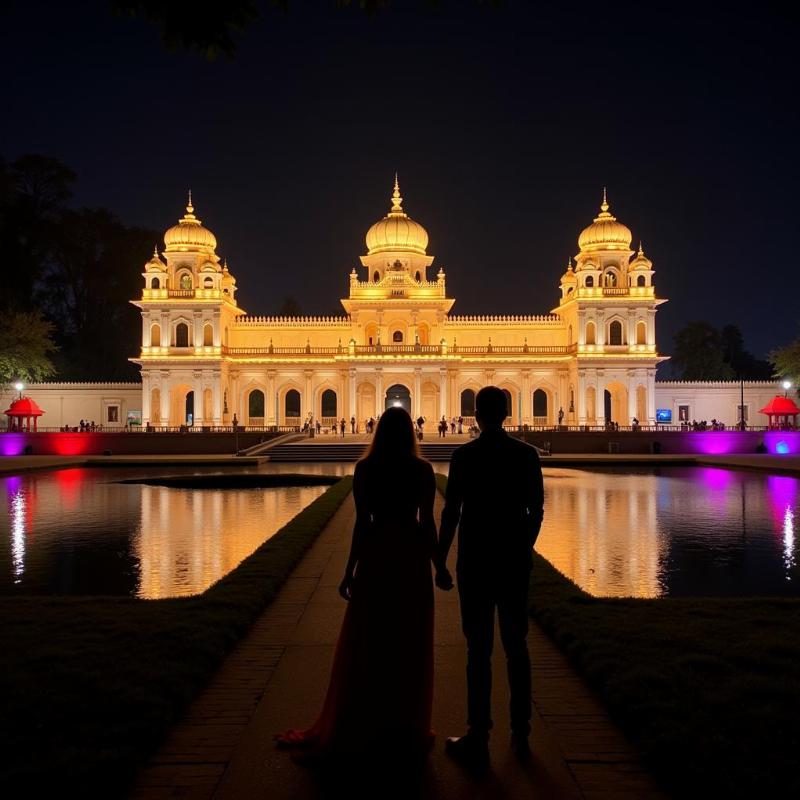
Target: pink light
pixel 12 444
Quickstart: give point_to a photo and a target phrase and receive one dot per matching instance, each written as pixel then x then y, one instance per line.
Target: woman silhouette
pixel 381 686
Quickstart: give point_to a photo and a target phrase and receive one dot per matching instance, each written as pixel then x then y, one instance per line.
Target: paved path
pixel 277 677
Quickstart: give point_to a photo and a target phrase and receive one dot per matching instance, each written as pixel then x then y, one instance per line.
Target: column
pixel 216 398
pixel 145 399
pixel 527 398
pixel 197 341
pixel 417 404
pixel 272 401
pixel 165 398
pixel 600 398
pixel 145 334
pixel 379 398
pixel 632 382
pixel 308 400
pixel 651 397
pixel 580 399
pixel 442 392
pixel 352 393
pixel 197 388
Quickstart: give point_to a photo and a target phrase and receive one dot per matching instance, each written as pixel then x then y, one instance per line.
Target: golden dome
pixel 397 232
pixel 569 276
pixel 189 233
pixel 605 233
pixel 155 263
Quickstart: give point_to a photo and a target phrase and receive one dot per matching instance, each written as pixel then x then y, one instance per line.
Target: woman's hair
pixel 394 437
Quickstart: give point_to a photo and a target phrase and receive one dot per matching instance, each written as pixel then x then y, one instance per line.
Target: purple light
pixel 12 444
pixel 716 478
pixel 716 443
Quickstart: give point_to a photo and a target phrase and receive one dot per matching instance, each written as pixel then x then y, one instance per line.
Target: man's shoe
pixel 520 747
pixel 469 750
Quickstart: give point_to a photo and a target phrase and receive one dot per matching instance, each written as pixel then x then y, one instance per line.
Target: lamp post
pixel 786 386
pixel 19 386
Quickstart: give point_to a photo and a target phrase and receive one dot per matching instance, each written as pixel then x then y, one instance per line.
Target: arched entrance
pixel 616 403
pixel 189 415
pixel 398 395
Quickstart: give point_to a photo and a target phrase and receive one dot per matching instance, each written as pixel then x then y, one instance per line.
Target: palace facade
pixel 204 360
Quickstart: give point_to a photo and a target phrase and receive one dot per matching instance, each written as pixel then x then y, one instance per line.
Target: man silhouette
pixel 495 491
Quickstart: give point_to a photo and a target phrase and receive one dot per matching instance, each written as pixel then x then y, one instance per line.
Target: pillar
pixel 165 391
pixel 417 404
pixel 379 398
pixel 651 397
pixel 197 388
pixel 632 381
pixel 442 392
pixel 580 399
pixel 527 398
pixel 351 395
pixel 272 401
pixel 308 400
pixel 216 398
pixel 146 398
pixel 600 399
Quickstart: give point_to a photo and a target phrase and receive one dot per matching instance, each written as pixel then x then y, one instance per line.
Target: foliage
pixel 786 362
pixel 25 347
pixel 707 687
pixel 90 686
pixel 703 353
pixel 80 267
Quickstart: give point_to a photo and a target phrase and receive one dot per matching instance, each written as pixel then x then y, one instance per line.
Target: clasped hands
pixel 444 580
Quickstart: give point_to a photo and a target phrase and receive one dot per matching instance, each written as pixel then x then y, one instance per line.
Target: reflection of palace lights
pixel 788 540
pixel 18 535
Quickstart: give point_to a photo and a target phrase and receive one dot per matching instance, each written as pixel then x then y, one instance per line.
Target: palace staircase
pixel 350 451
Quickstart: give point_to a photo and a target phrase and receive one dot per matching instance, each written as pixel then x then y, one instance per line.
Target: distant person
pixel 342 426
pixel 82 426
pixel 560 417
pixel 495 496
pixel 453 426
pixel 421 426
pixel 352 424
pixel 460 425
pixel 318 426
pixel 380 693
pixel 443 427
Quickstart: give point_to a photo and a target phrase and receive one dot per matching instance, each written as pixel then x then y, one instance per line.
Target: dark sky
pixel 504 125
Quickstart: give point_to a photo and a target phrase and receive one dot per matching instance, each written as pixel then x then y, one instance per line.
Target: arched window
pixel 181 335
pixel 468 403
pixel 291 403
pixel 540 403
pixel 155 336
pixel 376 276
pixel 328 403
pixel 186 281
pixel 589 281
pixel 208 282
pixel 641 333
pixel 423 333
pixel 611 278
pixel 507 393
pixel 255 404
pixel 155 283
pixel 208 335
pixel 641 281
pixel 397 337
pixel 590 333
pixel 615 333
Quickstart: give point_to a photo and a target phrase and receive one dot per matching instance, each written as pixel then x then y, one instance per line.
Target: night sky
pixel 504 125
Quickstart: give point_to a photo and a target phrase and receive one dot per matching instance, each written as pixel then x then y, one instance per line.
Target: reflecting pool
pixel 676 531
pixel 78 531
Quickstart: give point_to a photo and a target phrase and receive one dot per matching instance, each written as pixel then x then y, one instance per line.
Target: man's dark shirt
pixel 495 489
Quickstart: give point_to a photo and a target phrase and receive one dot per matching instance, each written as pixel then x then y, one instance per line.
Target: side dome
pixel 189 234
pixel 605 233
pixel 396 232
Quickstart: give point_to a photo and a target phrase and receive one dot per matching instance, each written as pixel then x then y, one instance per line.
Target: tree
pixel 25 347
pixel 743 363
pixel 699 355
pixel 786 362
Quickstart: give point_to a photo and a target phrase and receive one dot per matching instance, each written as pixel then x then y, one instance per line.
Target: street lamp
pixel 19 386
pixel 786 386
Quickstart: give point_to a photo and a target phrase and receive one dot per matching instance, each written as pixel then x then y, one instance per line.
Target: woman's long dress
pixel 381 686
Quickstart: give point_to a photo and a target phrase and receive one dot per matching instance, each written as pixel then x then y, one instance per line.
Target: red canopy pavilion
pixel 23 409
pixel 779 409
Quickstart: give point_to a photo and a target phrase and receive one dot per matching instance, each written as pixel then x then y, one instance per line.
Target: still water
pixel 77 531
pixel 615 532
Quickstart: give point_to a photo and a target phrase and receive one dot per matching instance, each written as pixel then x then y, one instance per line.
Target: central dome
pixel 605 233
pixel 189 234
pixel 397 232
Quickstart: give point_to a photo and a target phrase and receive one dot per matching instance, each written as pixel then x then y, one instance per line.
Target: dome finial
pixel 641 249
pixel 155 251
pixel 604 204
pixel 189 206
pixel 397 200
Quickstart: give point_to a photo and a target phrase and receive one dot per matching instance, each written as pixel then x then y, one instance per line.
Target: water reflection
pixel 187 539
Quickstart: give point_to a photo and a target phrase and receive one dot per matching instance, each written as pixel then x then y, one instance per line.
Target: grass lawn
pixel 90 685
pixel 709 688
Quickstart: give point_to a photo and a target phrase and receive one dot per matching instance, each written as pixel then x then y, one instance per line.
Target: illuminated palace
pixel 204 360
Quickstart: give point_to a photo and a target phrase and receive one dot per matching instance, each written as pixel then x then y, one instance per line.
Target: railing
pixel 400 349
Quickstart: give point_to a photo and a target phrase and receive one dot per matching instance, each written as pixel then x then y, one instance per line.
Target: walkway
pixel 277 676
